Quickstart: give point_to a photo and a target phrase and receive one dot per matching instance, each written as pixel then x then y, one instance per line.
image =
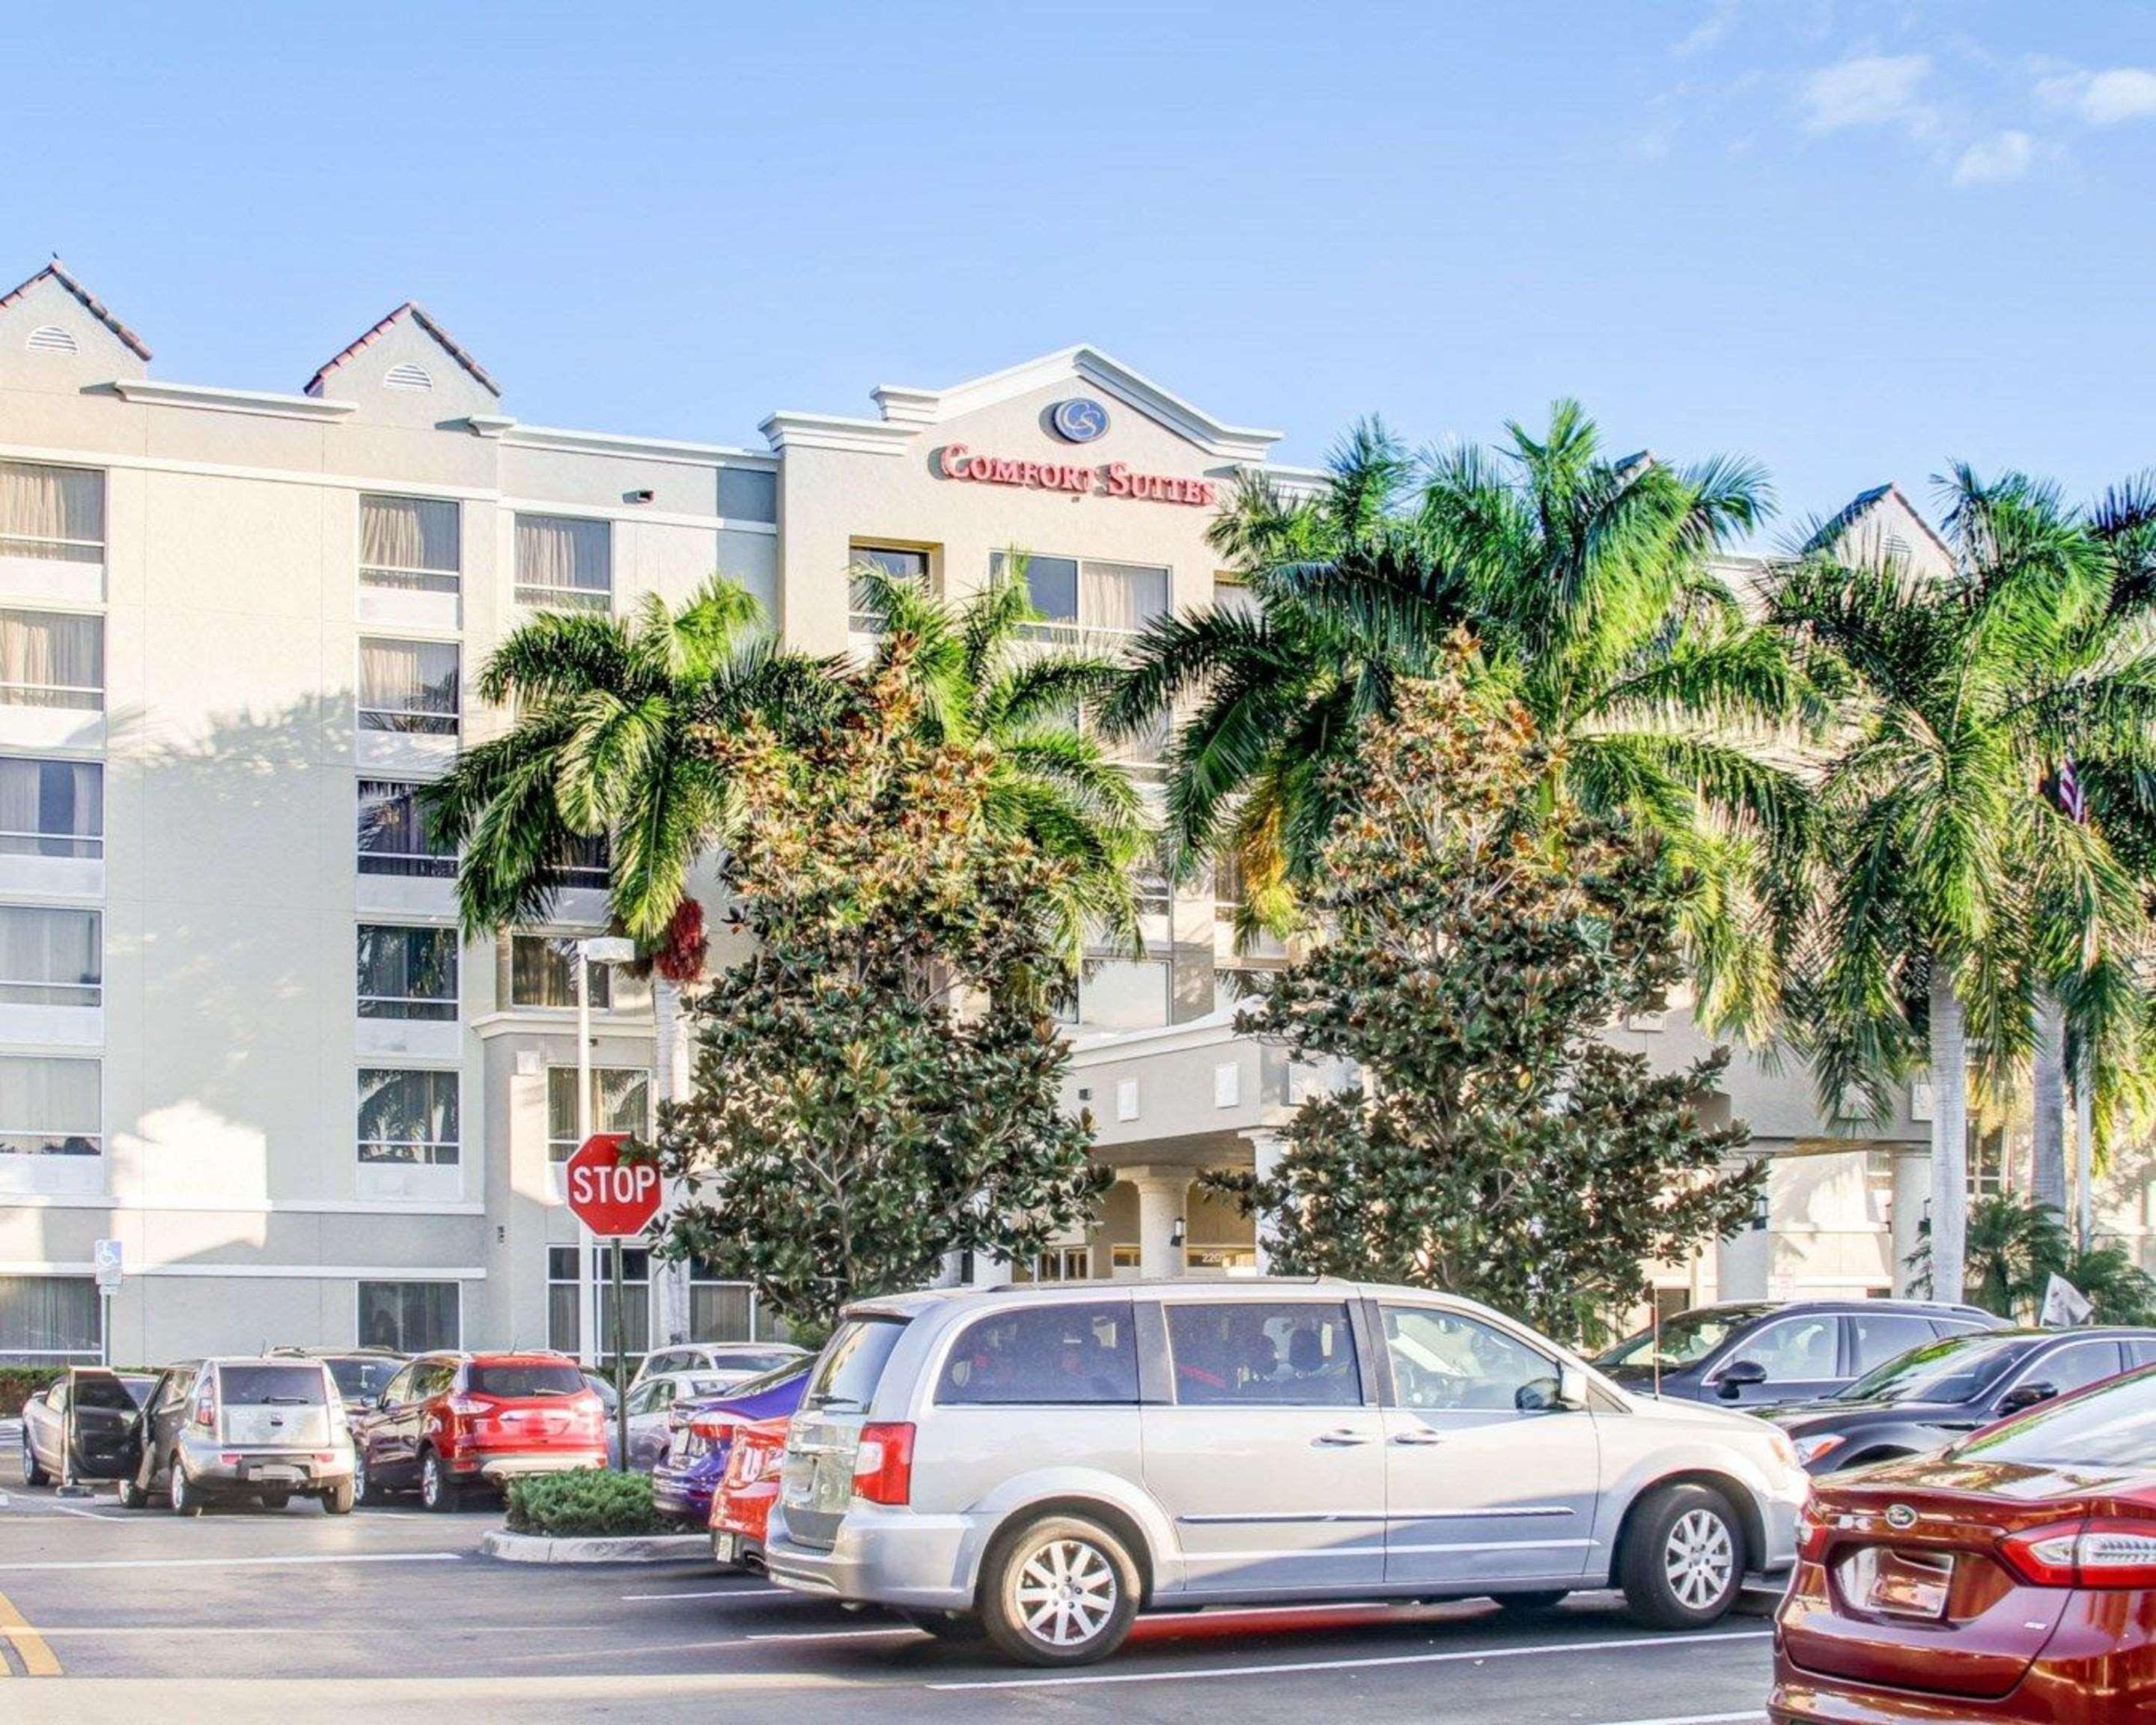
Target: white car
pixel 736 1361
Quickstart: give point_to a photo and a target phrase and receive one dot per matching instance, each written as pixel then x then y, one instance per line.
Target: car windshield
pixel 751 1359
pixel 2114 1426
pixel 293 1386
pixel 1686 1339
pixel 1954 1368
pixel 852 1363
pixel 787 1373
pixel 533 1380
pixel 362 1379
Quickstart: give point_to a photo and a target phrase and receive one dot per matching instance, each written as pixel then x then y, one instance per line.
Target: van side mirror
pixel 1739 1376
pixel 1571 1387
pixel 2024 1395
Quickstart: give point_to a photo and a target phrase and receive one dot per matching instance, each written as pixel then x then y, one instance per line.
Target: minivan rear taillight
pixel 883 1465
pixel 2098 1553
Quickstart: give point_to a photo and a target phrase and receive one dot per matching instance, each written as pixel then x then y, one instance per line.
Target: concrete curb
pixel 642 1549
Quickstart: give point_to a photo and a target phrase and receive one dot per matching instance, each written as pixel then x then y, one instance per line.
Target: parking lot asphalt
pixel 245 1614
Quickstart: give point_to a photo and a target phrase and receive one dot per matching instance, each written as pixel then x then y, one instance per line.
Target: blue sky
pixel 1850 240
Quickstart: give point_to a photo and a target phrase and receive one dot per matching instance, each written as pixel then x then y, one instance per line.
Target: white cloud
pixel 2106 97
pixel 1871 89
pixel 1710 29
pixel 1995 159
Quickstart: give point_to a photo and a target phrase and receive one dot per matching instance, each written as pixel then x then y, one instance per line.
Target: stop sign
pixel 608 1195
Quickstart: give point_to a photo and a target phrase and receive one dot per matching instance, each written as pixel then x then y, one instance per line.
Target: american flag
pixel 2072 800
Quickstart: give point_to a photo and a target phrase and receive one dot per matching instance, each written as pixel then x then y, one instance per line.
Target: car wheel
pixel 187 1495
pixel 131 1495
pixel 437 1490
pixel 33 1474
pixel 1061 1590
pixel 339 1499
pixel 276 1500
pixel 1533 1602
pixel 1683 1562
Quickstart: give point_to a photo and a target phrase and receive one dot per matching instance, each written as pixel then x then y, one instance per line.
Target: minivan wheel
pixel 437 1490
pixel 1061 1590
pixel 1683 1562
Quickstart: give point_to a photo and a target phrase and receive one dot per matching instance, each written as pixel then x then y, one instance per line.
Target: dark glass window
pixel 1045 1356
pixel 1252 1353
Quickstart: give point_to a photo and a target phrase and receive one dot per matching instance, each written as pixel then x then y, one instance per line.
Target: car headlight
pixel 1811 1449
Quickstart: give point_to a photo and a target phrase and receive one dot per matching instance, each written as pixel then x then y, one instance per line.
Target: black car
pixel 1935 1394
pixel 362 1373
pixel 1756 1353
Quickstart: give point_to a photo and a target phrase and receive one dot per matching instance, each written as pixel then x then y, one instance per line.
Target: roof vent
pixel 406 377
pixel 50 338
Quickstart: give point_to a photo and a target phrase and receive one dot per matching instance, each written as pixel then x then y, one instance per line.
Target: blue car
pixel 695 1460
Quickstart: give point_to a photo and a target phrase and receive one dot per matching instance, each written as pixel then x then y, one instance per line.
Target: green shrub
pixel 583 1502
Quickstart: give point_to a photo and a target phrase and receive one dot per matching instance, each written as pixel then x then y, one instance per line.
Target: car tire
pixel 33 1473
pixel 1058 1590
pixel 1682 1566
pixel 339 1499
pixel 1546 1600
pixel 187 1498
pixel 364 1490
pixel 131 1495
pixel 437 1490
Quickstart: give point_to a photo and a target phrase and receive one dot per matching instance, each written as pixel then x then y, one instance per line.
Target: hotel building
pixel 240 1034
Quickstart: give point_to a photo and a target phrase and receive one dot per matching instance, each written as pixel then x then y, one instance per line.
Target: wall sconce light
pixel 1177 1234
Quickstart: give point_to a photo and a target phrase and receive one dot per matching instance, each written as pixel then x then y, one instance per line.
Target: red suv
pixel 2011 1578
pixel 450 1421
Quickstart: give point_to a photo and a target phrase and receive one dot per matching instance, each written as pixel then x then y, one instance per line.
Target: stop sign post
pixel 613 1199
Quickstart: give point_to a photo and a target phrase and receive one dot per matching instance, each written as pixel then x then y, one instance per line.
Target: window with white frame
pixel 563 1328
pixel 584 862
pixel 51 807
pixel 49 1321
pixel 51 1106
pixel 620 1103
pixel 563 563
pixel 1231 594
pixel 907 564
pixel 562 1314
pixel 542 972
pixel 50 957
pixel 721 1309
pixel 54 513
pixel 395 835
pixel 407 973
pixel 410 1316
pixel 1068 1263
pixel 409 686
pixel 408 1115
pixel 1085 601
pixel 413 544
pixel 51 659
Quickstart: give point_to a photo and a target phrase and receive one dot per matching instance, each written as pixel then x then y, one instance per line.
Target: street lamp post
pixel 598 949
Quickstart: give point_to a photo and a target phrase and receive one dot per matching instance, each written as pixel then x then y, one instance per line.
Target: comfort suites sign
pixel 1112 479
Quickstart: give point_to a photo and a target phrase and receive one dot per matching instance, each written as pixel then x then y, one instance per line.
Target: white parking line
pixel 721 1592
pixel 384 1556
pixel 1460 1656
pixel 866 1635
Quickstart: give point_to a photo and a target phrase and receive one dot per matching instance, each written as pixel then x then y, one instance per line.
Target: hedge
pixel 583 1502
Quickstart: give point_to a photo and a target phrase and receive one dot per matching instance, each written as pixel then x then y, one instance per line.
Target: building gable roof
pixel 1865 509
pixel 414 310
pixel 89 302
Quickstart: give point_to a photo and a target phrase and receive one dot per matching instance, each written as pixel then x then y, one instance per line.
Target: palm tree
pixel 1943 889
pixel 611 713
pixel 1588 586
pixel 983 681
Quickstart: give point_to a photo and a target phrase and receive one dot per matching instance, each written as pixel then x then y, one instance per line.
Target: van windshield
pixel 1684 1339
pixel 852 1363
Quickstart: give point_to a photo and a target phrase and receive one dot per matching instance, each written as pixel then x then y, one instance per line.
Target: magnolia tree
pixel 879 1081
pixel 1480 930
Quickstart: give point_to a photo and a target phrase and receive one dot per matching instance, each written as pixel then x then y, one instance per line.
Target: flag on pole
pixel 2065 1305
pixel 2066 791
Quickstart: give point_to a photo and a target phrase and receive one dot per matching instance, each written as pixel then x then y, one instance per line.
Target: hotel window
pixel 51 957
pixel 900 563
pixel 55 513
pixel 1230 593
pixel 48 1320
pixel 408 1317
pixel 1078 598
pixel 413 543
pixel 620 1103
pixel 409 685
pixel 564 564
pixel 408 1116
pixel 748 494
pixel 407 973
pixel 1057 1264
pixel 50 1106
pixel 562 1315
pixel 395 836
pixel 721 1310
pixel 584 862
pixel 51 659
pixel 51 807
pixel 1155 896
pixel 542 972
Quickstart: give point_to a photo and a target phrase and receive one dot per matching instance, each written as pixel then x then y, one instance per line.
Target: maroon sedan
pixel 2011 1578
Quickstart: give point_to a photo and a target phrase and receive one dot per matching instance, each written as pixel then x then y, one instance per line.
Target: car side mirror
pixel 1571 1387
pixel 2025 1395
pixel 1739 1376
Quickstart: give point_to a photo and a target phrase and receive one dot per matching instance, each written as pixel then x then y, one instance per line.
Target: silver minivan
pixel 1039 1463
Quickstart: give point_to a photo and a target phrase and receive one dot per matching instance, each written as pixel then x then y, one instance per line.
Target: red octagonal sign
pixel 608 1195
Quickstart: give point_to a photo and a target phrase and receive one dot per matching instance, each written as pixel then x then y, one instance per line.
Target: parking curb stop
pixel 642 1549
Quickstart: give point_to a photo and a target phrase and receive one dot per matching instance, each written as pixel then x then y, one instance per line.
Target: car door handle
pixel 1419 1439
pixel 1342 1438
